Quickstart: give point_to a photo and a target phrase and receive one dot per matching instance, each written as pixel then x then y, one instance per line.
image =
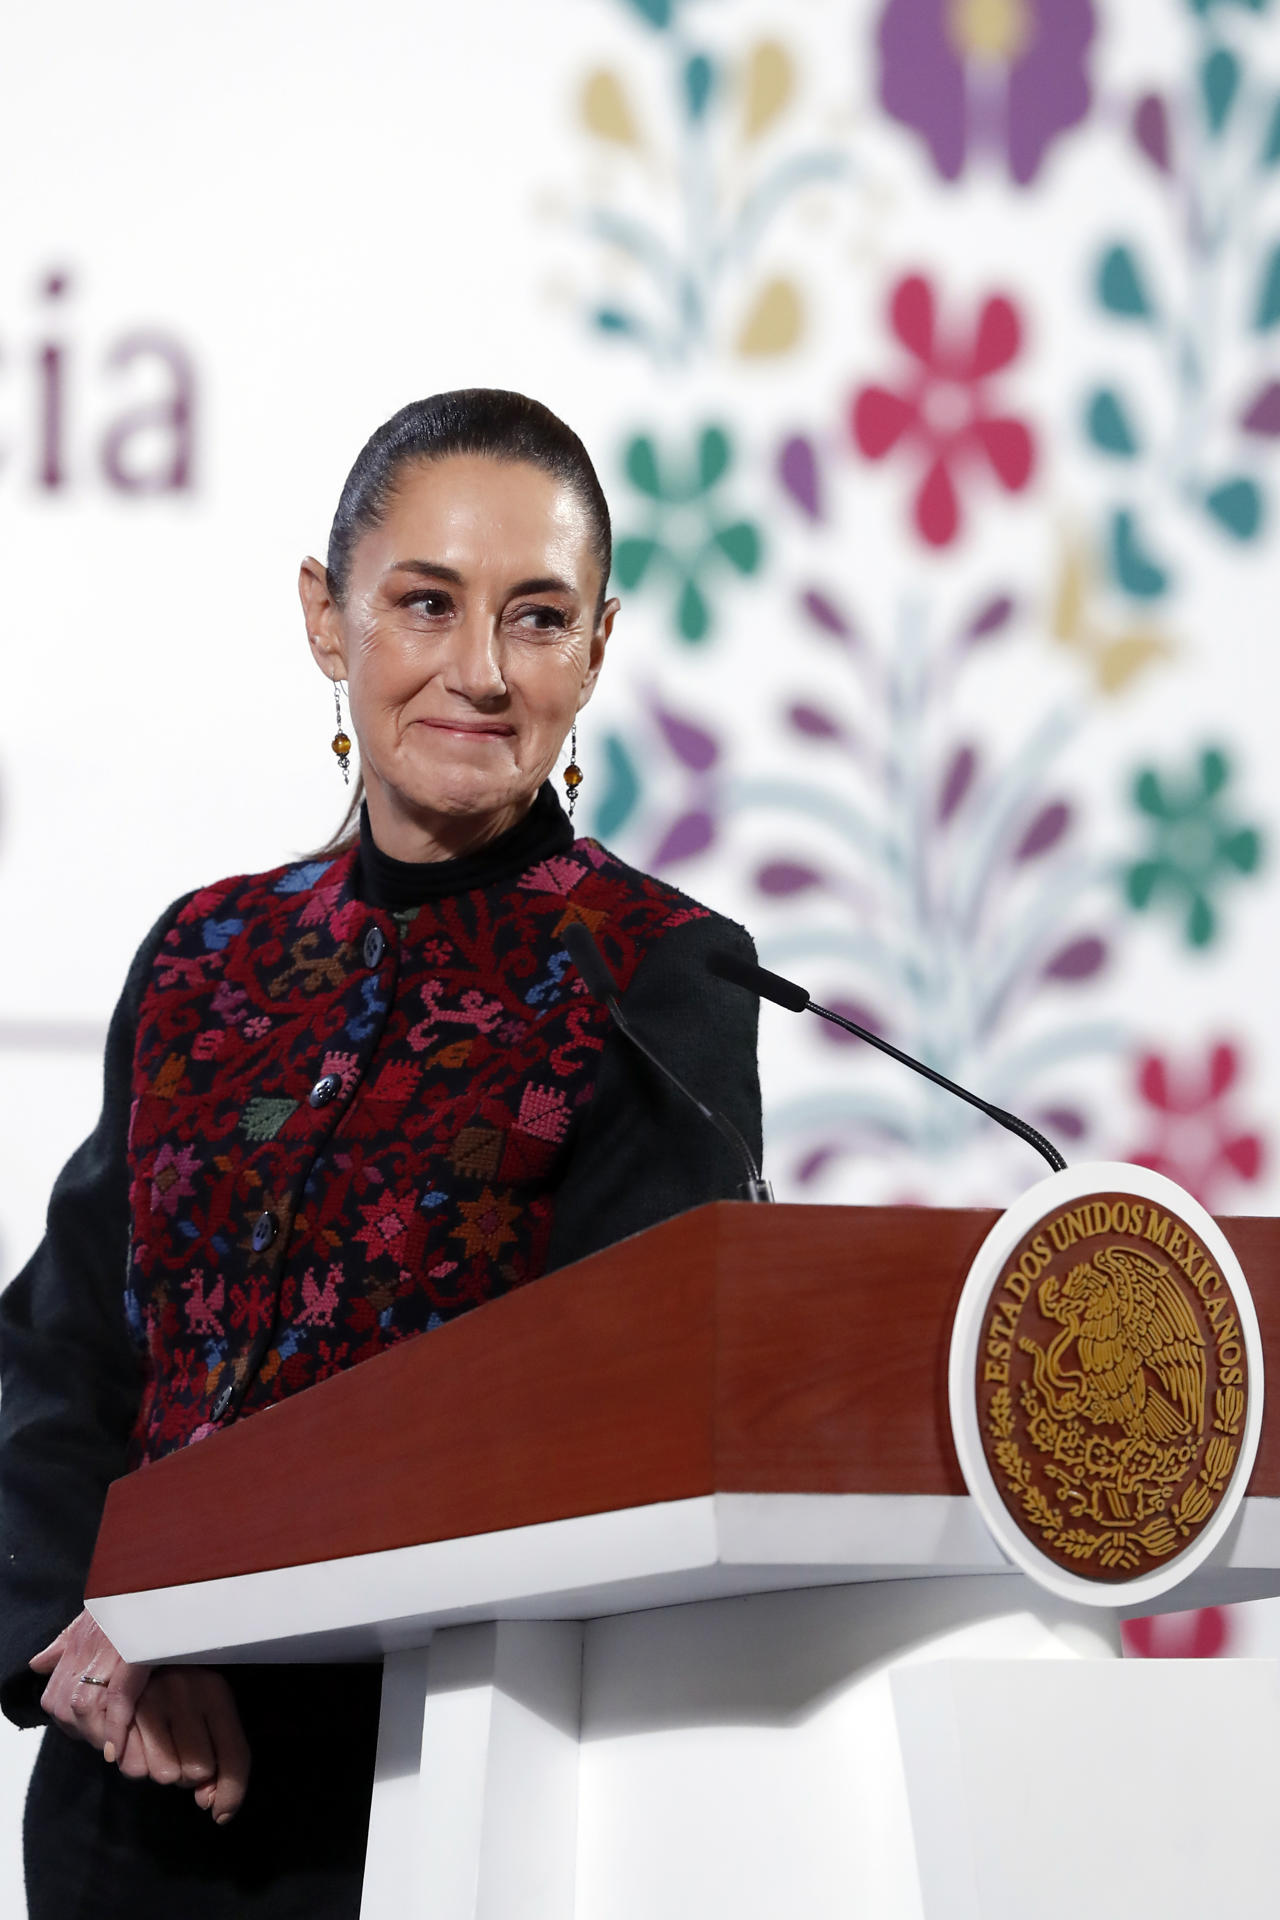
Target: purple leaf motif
pixel 685 838
pixel 798 472
pixel 989 619
pixel 1045 830
pixel 959 779
pixel 1062 1122
pixel 692 746
pixel 825 614
pixel 1263 413
pixel 814 1163
pixel 814 724
pixel 861 1017
pixel 1079 960
pixel 1151 130
pixel 782 877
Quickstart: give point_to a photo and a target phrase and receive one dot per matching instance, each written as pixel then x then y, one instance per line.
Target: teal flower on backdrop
pixel 1213 138
pixel 1196 846
pixel 692 535
pixel 1203 7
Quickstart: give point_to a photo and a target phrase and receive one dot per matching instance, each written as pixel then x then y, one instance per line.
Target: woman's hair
pixel 472 420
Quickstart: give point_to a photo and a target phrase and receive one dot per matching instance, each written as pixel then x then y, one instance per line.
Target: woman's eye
pixel 429 601
pixel 543 619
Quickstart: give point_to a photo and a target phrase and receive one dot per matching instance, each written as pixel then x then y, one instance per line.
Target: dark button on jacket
pixel 264 1231
pixel 374 947
pixel 223 1401
pixel 327 1088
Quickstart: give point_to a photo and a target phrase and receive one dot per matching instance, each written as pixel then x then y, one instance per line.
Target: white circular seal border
pixel 1059 1189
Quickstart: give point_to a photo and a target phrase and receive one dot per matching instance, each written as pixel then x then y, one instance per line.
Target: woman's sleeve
pixel 643 1152
pixel 69 1375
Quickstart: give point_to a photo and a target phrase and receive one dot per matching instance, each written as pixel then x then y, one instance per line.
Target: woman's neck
pixel 418 837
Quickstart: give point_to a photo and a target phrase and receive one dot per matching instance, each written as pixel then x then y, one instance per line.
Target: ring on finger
pixel 92 1680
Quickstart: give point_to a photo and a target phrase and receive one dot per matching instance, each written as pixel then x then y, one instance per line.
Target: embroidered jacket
pixel 328 1126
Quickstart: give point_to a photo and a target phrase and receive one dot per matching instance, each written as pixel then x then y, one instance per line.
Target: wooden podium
pixel 679 1590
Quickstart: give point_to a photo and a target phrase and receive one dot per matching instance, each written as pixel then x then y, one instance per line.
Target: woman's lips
pixel 472 731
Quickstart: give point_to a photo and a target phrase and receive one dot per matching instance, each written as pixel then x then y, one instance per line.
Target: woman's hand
pixel 175 1725
pixel 186 1732
pixel 92 1692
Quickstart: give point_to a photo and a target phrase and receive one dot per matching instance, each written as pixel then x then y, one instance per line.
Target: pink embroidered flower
pixel 386 1225
pixel 322 903
pixel 1194 1139
pixel 942 408
pixel 345 1065
pixel 556 875
pixel 543 1113
pixel 171 1178
pixel 209 1044
pixel 258 1028
pixel 346 920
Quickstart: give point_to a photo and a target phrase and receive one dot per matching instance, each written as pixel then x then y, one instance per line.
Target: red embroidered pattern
pixel 275 1241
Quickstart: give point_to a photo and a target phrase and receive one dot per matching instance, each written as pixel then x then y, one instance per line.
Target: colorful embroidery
pixel 327 1159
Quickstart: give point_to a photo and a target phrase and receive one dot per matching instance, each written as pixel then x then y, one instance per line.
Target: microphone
pixel 785 993
pixel 602 986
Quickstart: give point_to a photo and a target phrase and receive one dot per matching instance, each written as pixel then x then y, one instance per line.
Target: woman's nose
pixel 475 661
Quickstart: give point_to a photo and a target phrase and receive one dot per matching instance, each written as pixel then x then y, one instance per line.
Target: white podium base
pixel 726 1758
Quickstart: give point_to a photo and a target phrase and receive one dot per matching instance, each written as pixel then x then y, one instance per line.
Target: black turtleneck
pixel 393 885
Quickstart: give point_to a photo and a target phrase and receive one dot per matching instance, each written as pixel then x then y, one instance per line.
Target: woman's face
pixel 468 641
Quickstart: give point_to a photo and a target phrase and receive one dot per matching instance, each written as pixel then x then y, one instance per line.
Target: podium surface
pixel 644 1546
pixel 744 1397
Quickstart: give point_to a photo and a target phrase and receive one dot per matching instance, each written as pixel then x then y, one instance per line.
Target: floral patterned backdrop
pixel 946 343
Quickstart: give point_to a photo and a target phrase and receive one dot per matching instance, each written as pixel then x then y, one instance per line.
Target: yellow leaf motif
pixel 1115 657
pixel 606 111
pixel 774 322
pixel 769 80
pixel 1068 611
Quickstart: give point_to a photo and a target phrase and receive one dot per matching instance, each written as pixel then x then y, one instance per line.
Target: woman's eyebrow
pixel 436 570
pixel 550 584
pixel 428 569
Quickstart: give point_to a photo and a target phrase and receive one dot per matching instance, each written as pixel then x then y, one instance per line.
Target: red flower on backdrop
pixel 942 406
pixel 1201 1634
pixel 1193 1138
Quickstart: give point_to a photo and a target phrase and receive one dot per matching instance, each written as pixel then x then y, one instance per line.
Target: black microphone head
pixel 769 986
pixel 590 962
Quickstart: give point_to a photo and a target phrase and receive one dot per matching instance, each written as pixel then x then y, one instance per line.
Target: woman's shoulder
pixel 276 888
pixel 622 888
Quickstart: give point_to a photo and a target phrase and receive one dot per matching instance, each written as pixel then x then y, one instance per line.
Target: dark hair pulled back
pixel 470 420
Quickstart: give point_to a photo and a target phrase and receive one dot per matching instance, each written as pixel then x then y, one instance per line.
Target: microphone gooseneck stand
pixel 785 993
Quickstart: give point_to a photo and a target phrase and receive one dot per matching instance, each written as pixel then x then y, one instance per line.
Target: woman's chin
pixel 462 798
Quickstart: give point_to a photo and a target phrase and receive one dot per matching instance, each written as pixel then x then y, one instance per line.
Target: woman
pixel 344 1101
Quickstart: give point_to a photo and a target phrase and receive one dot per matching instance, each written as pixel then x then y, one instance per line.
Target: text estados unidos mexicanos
pixel 1088 1222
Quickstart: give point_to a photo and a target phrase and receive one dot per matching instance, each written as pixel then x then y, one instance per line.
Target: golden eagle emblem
pixel 1112 1386
pixel 1130 1353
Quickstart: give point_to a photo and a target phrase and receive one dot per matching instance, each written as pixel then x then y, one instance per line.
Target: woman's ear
pixel 599 641
pixel 324 624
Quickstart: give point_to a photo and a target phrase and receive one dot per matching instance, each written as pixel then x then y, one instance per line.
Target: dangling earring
pixel 340 743
pixel 573 772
